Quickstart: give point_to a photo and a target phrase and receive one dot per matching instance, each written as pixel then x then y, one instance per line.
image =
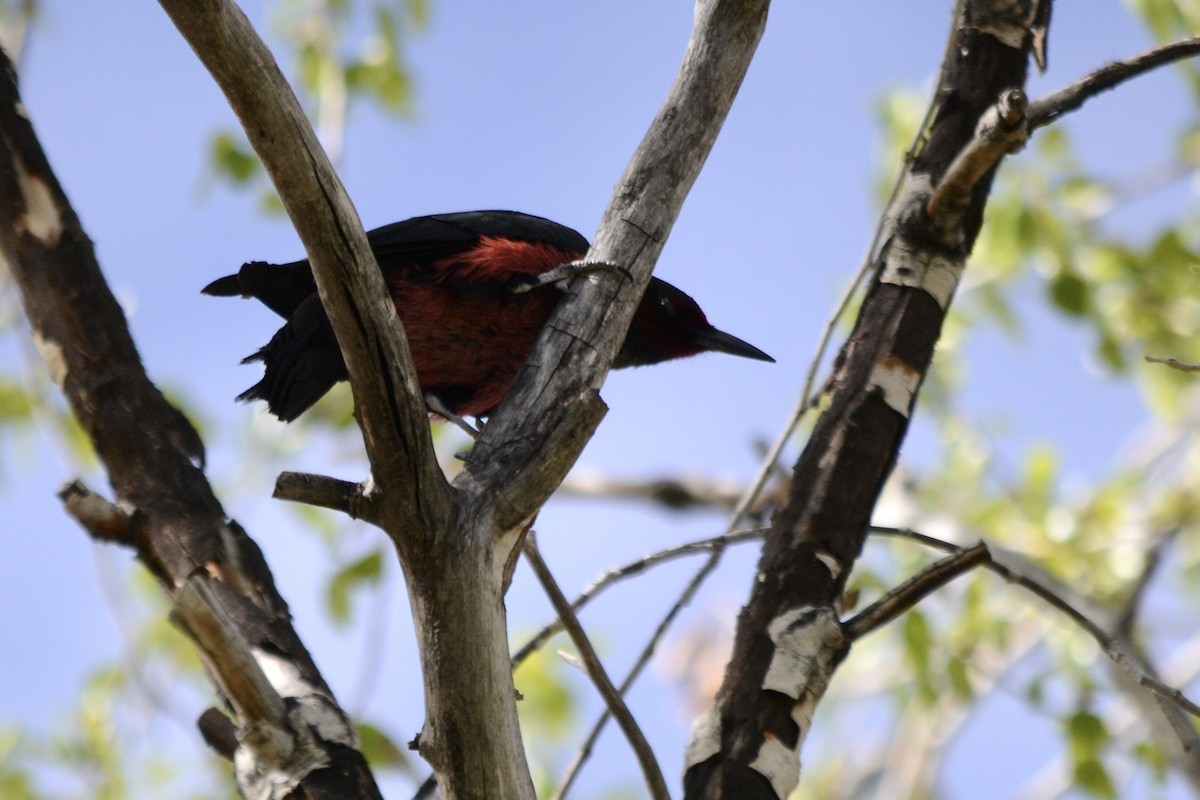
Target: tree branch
pixel 677 493
pixel 388 400
pixel 453 553
pixel 1048 109
pixel 165 507
pixel 104 521
pixel 915 589
pixel 1182 366
pixel 1001 130
pixel 748 744
pixel 356 500
pixel 1116 648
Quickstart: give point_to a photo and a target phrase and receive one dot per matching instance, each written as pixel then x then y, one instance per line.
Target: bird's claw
pixel 436 406
pixel 565 272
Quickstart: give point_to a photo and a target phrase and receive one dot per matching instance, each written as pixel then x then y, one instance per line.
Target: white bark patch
pixel 897 383
pixel 272 761
pixel 779 764
pixel 831 563
pixel 42 219
pixel 282 674
pixel 937 274
pixel 805 638
pixel 705 741
pixel 51 353
pixel 1003 19
pixel 808 643
pixel 316 709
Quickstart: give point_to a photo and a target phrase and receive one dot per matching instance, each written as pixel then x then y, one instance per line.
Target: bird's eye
pixel 666 305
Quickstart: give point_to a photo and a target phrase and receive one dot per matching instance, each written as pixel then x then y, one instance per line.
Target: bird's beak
pixel 722 342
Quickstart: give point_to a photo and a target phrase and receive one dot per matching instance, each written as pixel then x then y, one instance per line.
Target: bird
pixel 473 290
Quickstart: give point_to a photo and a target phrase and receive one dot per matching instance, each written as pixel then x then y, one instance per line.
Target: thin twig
pixel 1173 363
pixel 595 669
pixel 629 570
pixel 913 590
pixel 1168 692
pixel 677 493
pixel 1052 106
pixel 685 597
pixel 1113 648
pixel 882 229
pixel 1123 626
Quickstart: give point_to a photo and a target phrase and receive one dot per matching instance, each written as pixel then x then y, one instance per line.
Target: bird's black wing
pixel 420 249
pixel 437 236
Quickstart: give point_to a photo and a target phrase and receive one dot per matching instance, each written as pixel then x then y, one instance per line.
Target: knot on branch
pixel 1001 130
pixel 356 500
pixel 103 519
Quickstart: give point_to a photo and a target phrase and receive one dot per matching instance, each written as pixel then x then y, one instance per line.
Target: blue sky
pixel 535 107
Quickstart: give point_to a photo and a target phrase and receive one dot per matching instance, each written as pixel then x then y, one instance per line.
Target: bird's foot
pixel 565 272
pixel 436 406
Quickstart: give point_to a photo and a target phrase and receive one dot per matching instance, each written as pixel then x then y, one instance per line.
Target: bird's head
pixel 669 324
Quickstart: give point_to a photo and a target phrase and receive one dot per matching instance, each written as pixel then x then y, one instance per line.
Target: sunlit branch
pixel 1049 108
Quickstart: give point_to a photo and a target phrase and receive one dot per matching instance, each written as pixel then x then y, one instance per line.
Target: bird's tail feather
pixel 301 363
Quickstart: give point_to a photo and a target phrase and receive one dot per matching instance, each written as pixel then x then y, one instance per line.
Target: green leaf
pixel 354 575
pixel 960 679
pixel 233 159
pixel 547 704
pixel 1111 353
pixel 918 641
pixel 1092 777
pixel 380 749
pixel 1041 473
pixel 1086 734
pixel 1154 757
pixel 1070 293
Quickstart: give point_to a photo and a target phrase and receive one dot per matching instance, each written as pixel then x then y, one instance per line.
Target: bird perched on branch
pixel 466 288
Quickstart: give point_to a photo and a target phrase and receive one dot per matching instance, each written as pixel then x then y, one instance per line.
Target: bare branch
pixel 388 401
pixel 1182 366
pixel 219 733
pixel 678 493
pixel 104 520
pixel 1167 692
pixel 1116 649
pixel 1048 109
pixel 685 597
pixel 915 589
pixel 153 457
pixel 749 743
pixel 595 670
pixel 1001 130
pixel 353 499
pixel 631 569
pixel 1123 626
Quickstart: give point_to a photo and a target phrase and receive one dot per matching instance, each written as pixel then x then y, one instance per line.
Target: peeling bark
pixel 817 535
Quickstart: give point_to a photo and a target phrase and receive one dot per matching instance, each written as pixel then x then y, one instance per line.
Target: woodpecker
pixel 466 288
